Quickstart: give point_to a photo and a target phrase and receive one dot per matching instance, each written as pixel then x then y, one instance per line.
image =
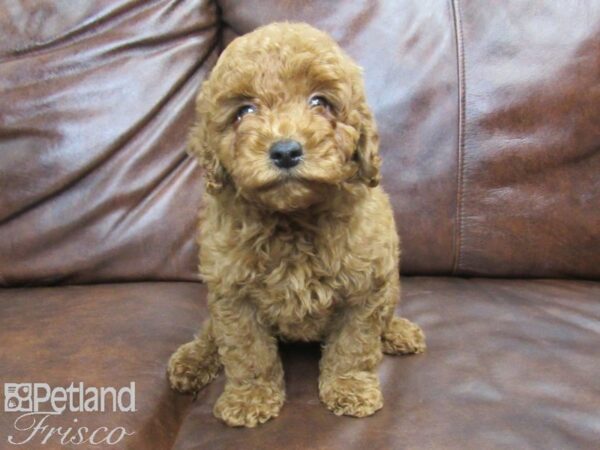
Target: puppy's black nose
pixel 286 153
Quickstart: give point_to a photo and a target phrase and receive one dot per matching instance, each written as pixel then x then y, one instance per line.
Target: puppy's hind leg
pixel 402 337
pixel 195 364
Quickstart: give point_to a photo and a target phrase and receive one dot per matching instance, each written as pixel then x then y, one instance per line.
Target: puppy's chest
pixel 298 284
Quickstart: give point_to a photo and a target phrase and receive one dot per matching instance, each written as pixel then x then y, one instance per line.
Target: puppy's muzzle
pixel 286 153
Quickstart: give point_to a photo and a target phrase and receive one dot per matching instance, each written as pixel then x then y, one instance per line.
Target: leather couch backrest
pixel 488 115
pixel 97 98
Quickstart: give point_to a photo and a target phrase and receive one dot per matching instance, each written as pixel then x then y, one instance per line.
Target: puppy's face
pixel 283 119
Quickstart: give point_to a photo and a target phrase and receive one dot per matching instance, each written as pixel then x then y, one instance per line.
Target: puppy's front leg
pixel 348 382
pixel 254 390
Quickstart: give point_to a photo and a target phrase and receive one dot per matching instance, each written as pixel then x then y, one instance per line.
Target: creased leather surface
pixel 104 335
pixel 511 364
pixel 97 98
pixel 95 183
pixel 531 167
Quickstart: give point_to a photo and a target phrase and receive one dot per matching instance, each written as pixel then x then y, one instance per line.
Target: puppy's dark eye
pixel 243 110
pixel 318 100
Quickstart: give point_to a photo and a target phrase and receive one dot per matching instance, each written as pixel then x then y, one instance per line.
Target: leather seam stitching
pixel 460 69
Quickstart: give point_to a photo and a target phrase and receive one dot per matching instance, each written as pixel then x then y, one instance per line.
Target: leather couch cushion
pixel 97 98
pixel 510 364
pixel 529 162
pixel 102 336
pixel 488 123
pixel 487 117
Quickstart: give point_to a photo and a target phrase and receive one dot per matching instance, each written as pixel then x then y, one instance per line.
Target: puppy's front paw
pixel 403 337
pixel 192 367
pixel 250 404
pixel 357 394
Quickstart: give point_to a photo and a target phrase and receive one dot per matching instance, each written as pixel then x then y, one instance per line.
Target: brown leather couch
pixel 489 115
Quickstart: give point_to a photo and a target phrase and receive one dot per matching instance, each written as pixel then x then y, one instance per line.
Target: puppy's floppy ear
pixel 201 146
pixel 367 149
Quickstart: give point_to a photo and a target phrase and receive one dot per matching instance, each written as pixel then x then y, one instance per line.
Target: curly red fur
pixel 306 254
